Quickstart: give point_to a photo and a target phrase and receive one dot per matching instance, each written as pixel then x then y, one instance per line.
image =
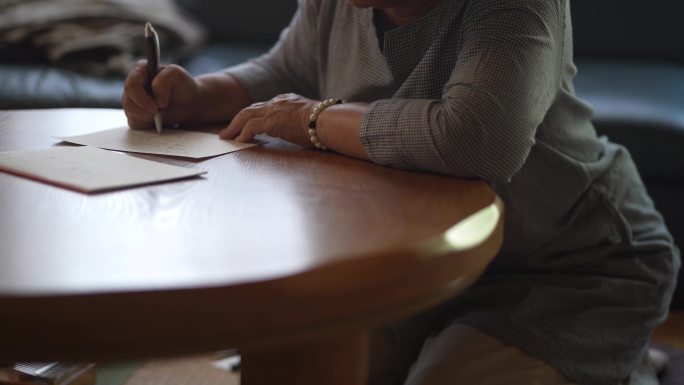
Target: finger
pixel 131 107
pixel 137 117
pixel 137 124
pixel 241 119
pixel 135 88
pixel 145 118
pixel 254 127
pixel 163 85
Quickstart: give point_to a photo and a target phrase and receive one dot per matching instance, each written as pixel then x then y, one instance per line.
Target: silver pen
pixel 153 52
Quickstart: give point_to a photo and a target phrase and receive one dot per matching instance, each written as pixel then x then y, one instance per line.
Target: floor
pixel 195 370
pixel 672 331
pixel 201 370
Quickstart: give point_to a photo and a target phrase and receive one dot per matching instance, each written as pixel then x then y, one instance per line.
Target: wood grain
pixel 275 243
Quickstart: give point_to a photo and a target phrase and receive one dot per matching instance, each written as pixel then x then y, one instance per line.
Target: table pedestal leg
pixel 337 360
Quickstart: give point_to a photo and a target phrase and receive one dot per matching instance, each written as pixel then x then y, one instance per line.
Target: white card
pixel 182 143
pixel 89 169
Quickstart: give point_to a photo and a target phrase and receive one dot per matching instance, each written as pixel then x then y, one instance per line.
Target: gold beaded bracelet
pixel 314 117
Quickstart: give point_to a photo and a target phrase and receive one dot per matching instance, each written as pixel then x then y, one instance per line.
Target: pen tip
pixel 148 29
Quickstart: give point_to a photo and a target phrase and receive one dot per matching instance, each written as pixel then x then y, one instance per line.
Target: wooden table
pixel 291 255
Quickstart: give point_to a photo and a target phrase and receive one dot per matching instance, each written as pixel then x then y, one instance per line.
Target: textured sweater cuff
pixel 379 132
pixel 393 133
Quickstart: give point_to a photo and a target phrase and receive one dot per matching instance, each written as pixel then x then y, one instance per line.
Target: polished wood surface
pixel 274 243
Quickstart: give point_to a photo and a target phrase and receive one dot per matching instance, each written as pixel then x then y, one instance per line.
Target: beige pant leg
pixel 462 355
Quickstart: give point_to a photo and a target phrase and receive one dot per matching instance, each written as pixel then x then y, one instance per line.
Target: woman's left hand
pixel 285 116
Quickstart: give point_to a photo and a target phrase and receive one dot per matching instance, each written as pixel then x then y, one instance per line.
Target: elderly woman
pixel 473 89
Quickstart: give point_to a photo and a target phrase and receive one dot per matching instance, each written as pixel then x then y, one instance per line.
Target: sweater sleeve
pixel 505 80
pixel 290 65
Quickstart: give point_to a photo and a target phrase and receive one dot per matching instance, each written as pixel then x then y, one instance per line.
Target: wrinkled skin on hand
pixel 285 116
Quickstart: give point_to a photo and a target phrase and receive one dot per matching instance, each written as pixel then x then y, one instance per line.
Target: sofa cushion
pixel 629 29
pixel 246 28
pixel 246 21
pixel 42 86
pixel 640 106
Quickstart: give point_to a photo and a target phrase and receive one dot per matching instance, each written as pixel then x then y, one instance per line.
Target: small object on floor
pixel 230 363
pixel 659 359
pixel 48 373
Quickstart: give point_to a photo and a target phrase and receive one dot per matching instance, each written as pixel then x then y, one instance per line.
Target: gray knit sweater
pixel 483 89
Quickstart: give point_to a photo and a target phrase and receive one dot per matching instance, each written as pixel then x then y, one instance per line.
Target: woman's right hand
pixel 176 94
